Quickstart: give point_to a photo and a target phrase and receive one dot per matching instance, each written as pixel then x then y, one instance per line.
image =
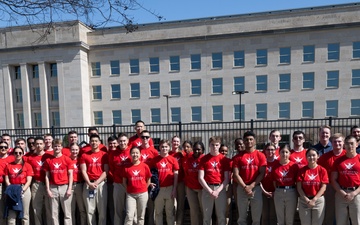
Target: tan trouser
pixel 78 202
pixel 344 208
pixel 180 203
pixel 314 215
pixel 268 216
pixel 164 199
pixel 285 205
pixel 59 198
pixel 119 197
pixel 39 200
pixel 136 205
pixel 194 199
pixel 26 204
pixel 99 202
pixel 208 203
pixel 255 204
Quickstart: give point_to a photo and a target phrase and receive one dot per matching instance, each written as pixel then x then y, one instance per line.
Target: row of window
pixel 333 54
pixel 35 71
pixel 36 95
pixel 37 119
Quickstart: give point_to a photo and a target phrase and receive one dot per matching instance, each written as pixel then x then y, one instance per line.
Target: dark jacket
pixel 13 200
pixel 153 192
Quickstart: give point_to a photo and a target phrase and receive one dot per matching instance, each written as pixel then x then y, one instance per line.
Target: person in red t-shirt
pixel 5 157
pixel 284 175
pixel 168 170
pixel 7 138
pixel 48 139
pixel 135 141
pixel 249 169
pixel 311 185
pixel 224 150
pixel 193 187
pixel 214 172
pixel 30 142
pixel 112 146
pixel 20 173
pixel 72 138
pixel 298 153
pixel 345 178
pixel 275 138
pixel 88 147
pixel 268 216
pixel 21 142
pixel 94 168
pixel 59 181
pixel 78 185
pixel 136 181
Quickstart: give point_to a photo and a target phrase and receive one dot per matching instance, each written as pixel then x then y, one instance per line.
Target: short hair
pixel 92 129
pixel 285 146
pixel 5 135
pixel 4 142
pixel 19 139
pixel 297 132
pixel 111 139
pixel 72 132
pixel 94 136
pixel 18 147
pixel 349 137
pixel 135 147
pixel 72 144
pixel 223 145
pixel 57 141
pixel 145 131
pixel 273 131
pixel 215 139
pixel 39 138
pixel 238 139
pixel 336 136
pixel 312 149
pixel 201 145
pixel 354 127
pixel 47 135
pixel 268 145
pixel 139 121
pixel 325 126
pixel 249 133
pixel 27 140
pixel 122 135
pixel 175 136
pixel 164 141
pixel 187 142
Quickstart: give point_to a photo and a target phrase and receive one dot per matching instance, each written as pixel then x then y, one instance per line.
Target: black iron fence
pixel 229 131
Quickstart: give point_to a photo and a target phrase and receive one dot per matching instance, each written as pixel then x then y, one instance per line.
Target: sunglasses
pixel 298 138
pixel 31 143
pixel 145 137
pixel 18 153
pixel 3 147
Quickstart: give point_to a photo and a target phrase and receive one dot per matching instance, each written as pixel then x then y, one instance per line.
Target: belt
pixel 39 182
pixel 215 184
pixel 310 197
pixel 286 187
pixel 349 188
pixel 92 181
pixel 79 182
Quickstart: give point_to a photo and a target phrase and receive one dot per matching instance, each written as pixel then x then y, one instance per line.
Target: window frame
pixel 285 55
pixel 308 53
pixel 195 61
pixel 196 112
pixel 116 117
pixel 175 90
pixel 285 84
pixel 155 115
pixel 217 111
pixel 261 109
pixel 115 69
pixel 134 66
pixel 239 59
pixel 195 90
pixel 96 69
pixel 355 78
pixel 261 83
pixel 310 109
pixel 115 92
pixel 332 77
pixel 216 60
pixel 333 52
pixel 154 91
pixel 332 108
pixel 174 114
pixel 174 64
pixel 217 88
pixel 306 82
pixel 261 57
pixel 284 110
pixel 135 91
pixel 97 92
pixel 154 65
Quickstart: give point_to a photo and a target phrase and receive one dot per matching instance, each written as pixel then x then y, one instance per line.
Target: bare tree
pixel 94 13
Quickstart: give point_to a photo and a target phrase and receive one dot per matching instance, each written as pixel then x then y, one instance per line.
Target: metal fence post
pixel 180 130
pixel 53 131
pixel 252 125
pixel 330 121
pixel 114 130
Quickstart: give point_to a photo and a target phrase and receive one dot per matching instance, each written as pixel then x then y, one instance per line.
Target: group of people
pixel 130 182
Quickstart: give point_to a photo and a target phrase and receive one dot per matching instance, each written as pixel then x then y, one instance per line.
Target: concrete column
pixel 44 99
pixel 25 86
pixel 7 100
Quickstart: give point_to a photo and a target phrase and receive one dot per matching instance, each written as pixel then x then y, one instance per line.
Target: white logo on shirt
pixel 138 143
pixel 276 157
pixel 214 164
pixel 16 170
pixel 249 160
pixel 312 176
pixel 269 169
pixel 298 160
pixel 145 156
pixel 136 172
pixel 349 165
pixel 284 173
pixel 163 164
pixel 40 163
pixel 177 158
pixel 195 164
pixel 95 159
pixel 57 165
pixel 75 166
pixel 123 158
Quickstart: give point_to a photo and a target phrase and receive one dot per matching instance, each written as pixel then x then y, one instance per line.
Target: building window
pixel 134 66
pixel 96 70
pixel 307 109
pixel 308 80
pixel 195 61
pixel 355 107
pixel 55 119
pixel 154 89
pixel 53 70
pixel 285 55
pixel 237 112
pixel 239 59
pixel 261 111
pixel 135 115
pixel 115 67
pixel 196 114
pixel 37 117
pixel 217 113
pixel 154 65
pixel 35 71
pixel 18 93
pixel 356 50
pixel 196 87
pixel 332 80
pixel 261 83
pixel 175 88
pixel 217 60
pixel 334 52
pixel 174 63
pixel 97 94
pixel 175 114
pixel 98 117
pixel 155 116
pixel 54 93
pixel 17 71
pixel 261 57
pixel 135 90
pixel 36 94
pixel 284 82
pixel 355 78
pixel 284 110
pixel 309 53
pixel 332 108
pixel 239 83
pixel 116 114
pixel 217 86
pixel 115 91
pixel 20 120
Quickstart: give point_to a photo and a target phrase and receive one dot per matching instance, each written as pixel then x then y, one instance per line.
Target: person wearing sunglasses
pixel 5 157
pixel 30 141
pixel 298 153
pixel 135 141
pixel 19 172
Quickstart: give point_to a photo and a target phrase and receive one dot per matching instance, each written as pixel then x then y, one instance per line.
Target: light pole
pixel 167 107
pixel 239 93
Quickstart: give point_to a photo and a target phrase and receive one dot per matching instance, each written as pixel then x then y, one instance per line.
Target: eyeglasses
pixel 3 147
pixel 145 137
pixel 31 143
pixel 18 153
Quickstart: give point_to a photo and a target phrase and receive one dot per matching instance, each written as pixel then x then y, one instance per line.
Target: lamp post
pixel 167 107
pixel 239 93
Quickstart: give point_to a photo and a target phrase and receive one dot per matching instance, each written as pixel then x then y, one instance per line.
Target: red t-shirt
pixel 87 148
pixel 58 168
pixel 285 175
pixel 37 162
pixel 179 156
pixel 147 154
pixel 214 168
pixel 249 164
pixel 2 172
pixel 7 159
pixel 267 182
pixel 77 176
pixel 136 141
pixel 299 158
pixel 327 160
pixel 94 162
pixel 118 159
pixel 13 172
pixel 191 172
pixel 137 176
pixel 66 151
pixel 348 171
pixel 312 179
pixel 166 167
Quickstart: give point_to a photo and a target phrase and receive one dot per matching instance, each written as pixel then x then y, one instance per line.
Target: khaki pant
pixel 39 201
pixel 136 205
pixel 77 201
pixel 344 208
pixel 194 199
pixel 119 198
pixel 59 198
pixel 164 199
pixel 26 204
pixel 208 203
pixel 255 203
pixel 180 203
pixel 268 216
pixel 285 205
pixel 312 216
pixel 99 202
